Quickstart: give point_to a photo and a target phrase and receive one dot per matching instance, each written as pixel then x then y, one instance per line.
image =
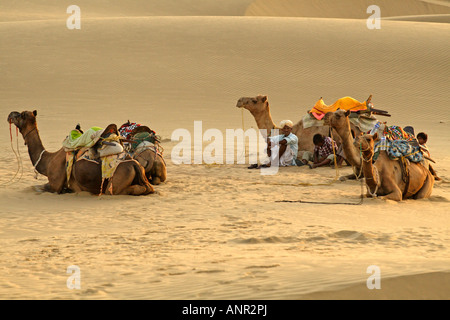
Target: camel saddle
pixel 347 103
pixel 357 108
pixel 78 139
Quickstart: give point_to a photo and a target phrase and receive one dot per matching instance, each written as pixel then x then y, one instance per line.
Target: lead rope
pixel 18 158
pixel 361 199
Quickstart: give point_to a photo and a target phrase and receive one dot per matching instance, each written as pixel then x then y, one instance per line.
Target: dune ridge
pixel 346 9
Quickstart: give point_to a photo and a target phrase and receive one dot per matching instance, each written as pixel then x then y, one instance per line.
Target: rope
pixel 374 193
pixel 36 164
pixel 361 199
pixel 18 158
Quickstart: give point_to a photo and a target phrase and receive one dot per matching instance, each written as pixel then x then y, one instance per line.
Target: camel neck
pixel 351 152
pixel 36 149
pixel 369 174
pixel 264 120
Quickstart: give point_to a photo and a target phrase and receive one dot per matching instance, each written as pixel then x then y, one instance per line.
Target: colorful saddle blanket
pixel 397 149
pixel 397 133
pixel 127 128
pixel 347 103
pixel 77 140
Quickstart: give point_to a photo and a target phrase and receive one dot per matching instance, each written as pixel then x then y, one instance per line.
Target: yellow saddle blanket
pixel 347 103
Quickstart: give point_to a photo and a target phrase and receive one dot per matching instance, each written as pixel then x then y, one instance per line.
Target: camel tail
pixel 141 178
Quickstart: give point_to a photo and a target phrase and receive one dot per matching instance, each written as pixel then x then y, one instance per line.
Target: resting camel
pixel 385 178
pixel 339 121
pixel 128 179
pixel 152 161
pixel 259 108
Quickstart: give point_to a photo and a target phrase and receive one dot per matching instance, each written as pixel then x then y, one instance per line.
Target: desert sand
pixel 216 231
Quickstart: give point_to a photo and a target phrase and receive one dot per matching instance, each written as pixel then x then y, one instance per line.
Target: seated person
pixel 422 138
pixel 323 152
pixel 283 146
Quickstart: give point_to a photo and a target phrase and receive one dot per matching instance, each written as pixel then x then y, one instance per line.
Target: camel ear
pixel 375 136
pixel 35 113
pixel 347 113
pixel 264 99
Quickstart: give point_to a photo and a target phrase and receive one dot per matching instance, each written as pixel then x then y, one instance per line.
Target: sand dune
pixel 438 18
pixel 56 9
pixel 217 231
pixel 346 9
pixel 53 9
pixel 431 286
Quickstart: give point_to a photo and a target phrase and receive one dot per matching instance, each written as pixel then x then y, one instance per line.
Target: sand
pixel 217 231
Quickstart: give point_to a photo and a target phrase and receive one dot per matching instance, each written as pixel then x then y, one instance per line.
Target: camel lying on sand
pixel 259 108
pixel 387 179
pixel 129 177
pixel 339 121
pixel 148 156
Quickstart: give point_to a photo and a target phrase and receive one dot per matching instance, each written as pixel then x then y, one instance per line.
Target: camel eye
pixel 254 100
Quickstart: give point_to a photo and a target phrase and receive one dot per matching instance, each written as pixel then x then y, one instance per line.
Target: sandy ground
pixel 217 231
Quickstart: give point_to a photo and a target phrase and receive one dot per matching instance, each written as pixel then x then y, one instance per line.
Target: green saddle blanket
pixel 76 139
pixel 140 137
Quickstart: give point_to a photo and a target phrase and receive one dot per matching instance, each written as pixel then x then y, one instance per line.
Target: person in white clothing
pixel 282 149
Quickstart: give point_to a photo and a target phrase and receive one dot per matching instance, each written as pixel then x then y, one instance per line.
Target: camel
pixel 129 177
pixel 259 108
pixel 153 163
pixel 339 121
pixel 386 179
pixel 148 157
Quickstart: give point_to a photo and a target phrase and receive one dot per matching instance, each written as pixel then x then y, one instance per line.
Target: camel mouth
pixel 327 118
pixel 13 116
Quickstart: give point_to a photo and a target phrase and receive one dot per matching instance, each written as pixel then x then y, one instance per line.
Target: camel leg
pixel 156 181
pixel 133 190
pixel 123 186
pixel 395 195
pixel 136 190
pixel 391 190
pixel 427 188
pixel 57 175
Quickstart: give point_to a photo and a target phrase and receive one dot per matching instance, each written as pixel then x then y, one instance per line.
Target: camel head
pixel 25 120
pixel 337 119
pixel 254 105
pixel 366 144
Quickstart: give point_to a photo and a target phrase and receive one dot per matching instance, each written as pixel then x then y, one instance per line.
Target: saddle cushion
pixel 110 149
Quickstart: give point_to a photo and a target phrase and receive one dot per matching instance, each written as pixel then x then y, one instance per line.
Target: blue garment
pixel 292 142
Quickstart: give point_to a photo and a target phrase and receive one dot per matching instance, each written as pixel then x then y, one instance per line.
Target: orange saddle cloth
pixel 347 103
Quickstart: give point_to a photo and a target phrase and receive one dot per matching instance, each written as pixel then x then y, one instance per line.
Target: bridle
pixel 362 151
pixel 25 135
